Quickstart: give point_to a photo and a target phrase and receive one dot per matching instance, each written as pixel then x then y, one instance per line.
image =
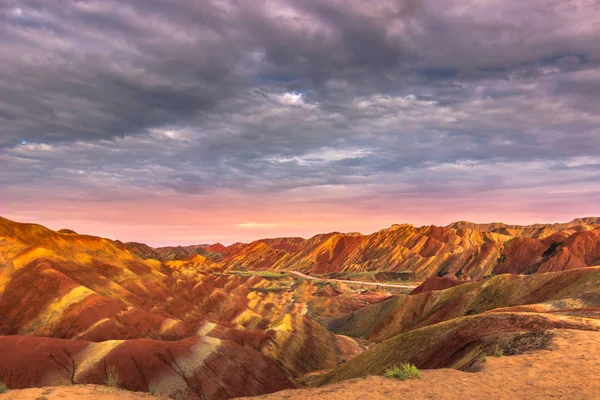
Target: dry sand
pixel 76 392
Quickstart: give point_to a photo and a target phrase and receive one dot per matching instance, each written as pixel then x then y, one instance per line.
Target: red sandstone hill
pixel 461 250
pixel 539 231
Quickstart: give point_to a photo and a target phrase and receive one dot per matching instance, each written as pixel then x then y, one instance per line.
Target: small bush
pixel 153 391
pixel 403 372
pixel 112 377
pixel 3 387
pixel 498 352
pixel 483 359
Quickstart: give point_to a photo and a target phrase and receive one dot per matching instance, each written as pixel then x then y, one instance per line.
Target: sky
pixel 181 122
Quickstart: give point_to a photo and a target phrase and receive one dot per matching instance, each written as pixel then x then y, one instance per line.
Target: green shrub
pixel 112 377
pixel 153 391
pixel 498 352
pixel 3 387
pixel 403 372
pixel 483 359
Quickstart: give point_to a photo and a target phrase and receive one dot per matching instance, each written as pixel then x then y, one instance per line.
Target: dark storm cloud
pixel 91 70
pixel 266 96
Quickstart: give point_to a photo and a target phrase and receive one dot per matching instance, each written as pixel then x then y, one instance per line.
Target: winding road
pixel 300 274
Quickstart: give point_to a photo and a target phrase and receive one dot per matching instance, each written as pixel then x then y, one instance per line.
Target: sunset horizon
pixel 256 230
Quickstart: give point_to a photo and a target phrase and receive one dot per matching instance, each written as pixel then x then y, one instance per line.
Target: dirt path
pixel 568 370
pixel 300 274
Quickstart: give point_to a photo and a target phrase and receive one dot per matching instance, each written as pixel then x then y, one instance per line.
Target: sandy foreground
pixel 569 369
pixel 76 392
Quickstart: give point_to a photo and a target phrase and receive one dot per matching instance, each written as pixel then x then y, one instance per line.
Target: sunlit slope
pixel 425 250
pixel 68 285
pixel 569 291
pixel 539 231
pixel 459 251
pixel 22 243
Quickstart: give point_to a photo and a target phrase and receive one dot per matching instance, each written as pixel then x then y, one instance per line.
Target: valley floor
pixel 569 369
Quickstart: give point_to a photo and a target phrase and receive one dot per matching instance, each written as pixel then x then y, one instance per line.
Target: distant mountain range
pixel 462 250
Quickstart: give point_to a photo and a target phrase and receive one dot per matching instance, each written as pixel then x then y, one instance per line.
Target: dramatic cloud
pixel 192 121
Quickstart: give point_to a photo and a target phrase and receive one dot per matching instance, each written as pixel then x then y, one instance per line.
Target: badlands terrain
pixel 484 310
